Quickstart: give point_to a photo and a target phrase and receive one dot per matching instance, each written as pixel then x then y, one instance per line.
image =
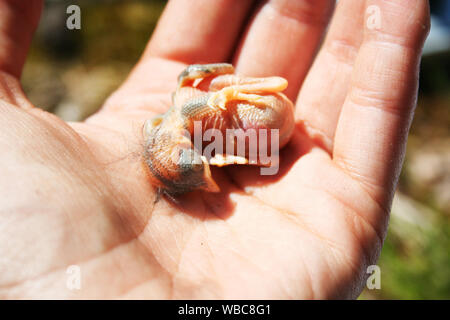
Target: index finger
pixel 198 31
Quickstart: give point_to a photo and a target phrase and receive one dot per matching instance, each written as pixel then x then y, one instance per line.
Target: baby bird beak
pixel 210 185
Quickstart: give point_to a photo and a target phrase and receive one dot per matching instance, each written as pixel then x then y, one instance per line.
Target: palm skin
pixel 79 193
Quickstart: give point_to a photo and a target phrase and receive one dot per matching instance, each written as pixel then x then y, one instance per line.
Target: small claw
pixel 147 128
pixel 150 124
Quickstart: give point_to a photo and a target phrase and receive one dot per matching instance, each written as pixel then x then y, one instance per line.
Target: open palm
pixel 79 193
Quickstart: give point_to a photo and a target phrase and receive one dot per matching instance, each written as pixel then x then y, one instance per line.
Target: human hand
pixel 79 194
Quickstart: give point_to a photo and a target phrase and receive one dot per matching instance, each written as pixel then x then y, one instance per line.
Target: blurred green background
pixel 65 65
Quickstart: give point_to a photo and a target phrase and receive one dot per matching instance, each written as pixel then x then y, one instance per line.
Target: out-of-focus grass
pixel 70 73
pixel 415 258
pixel 417 269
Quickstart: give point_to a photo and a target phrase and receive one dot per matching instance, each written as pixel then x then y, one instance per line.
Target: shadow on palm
pixel 236 178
